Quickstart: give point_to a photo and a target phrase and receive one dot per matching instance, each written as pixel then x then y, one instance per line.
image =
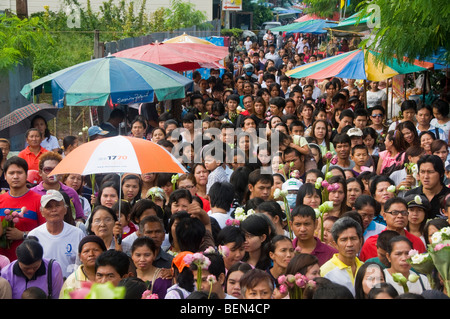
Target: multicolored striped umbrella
pixel 309 26
pixel 358 64
pixel 19 120
pixel 118 80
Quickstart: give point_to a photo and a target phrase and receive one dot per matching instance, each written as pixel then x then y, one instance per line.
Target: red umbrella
pixel 177 56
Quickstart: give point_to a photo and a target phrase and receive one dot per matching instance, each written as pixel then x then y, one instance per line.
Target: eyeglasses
pixel 186 187
pixel 367 216
pixel 396 213
pixel 377 115
pixel 105 221
pixel 47 170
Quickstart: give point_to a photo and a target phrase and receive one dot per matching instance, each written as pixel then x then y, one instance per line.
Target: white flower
pixel 250 212
pixel 436 238
pixel 317 211
pixel 276 193
pixel 239 214
pixel 418 200
pixel 445 231
pixel 419 258
pixel 391 189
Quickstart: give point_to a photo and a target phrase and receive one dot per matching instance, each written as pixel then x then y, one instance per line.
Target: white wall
pixel 56 5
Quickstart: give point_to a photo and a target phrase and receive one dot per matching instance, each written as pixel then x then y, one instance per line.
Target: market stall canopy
pixel 358 64
pixel 354 23
pixel 313 16
pixel 309 26
pixel 118 80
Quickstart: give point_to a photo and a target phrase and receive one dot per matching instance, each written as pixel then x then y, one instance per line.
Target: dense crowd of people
pixel 66 229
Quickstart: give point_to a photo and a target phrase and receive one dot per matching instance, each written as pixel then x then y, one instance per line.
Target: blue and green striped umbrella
pixel 112 79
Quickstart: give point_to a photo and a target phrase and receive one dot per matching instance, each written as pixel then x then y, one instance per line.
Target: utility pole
pixel 22 9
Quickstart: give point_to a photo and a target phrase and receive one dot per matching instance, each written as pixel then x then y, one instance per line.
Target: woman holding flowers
pixel 399 274
pixel 143 253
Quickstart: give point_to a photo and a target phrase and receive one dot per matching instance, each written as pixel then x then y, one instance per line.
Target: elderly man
pixel 59 239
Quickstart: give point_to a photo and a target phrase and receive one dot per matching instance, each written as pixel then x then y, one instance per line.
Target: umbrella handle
pixel 119 239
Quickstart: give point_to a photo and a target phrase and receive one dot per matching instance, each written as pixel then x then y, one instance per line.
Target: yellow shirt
pixel 338 272
pixel 73 281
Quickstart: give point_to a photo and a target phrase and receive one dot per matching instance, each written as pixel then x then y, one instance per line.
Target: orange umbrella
pixel 119 154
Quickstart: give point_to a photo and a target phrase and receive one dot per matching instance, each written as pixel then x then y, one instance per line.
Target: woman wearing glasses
pixel 104 223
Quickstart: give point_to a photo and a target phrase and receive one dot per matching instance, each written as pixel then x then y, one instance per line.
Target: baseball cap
pixel 96 130
pixel 353 98
pixel 354 131
pixel 292 184
pixel 422 201
pixel 51 195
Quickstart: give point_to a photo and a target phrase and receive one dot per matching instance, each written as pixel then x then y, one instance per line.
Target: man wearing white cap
pixel 59 239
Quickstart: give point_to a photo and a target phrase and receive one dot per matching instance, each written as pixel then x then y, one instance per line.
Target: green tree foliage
pixel 410 28
pixel 115 20
pixel 326 8
pixel 19 40
pixel 182 15
pixel 260 13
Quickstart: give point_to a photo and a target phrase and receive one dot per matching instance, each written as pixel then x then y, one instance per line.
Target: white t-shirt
pixel 50 143
pixel 412 287
pixel 248 45
pixel 375 98
pixel 220 217
pixel 62 247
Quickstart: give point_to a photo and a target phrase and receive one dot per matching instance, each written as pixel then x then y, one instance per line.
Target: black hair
pixel 29 251
pixel 306 189
pixel 395 240
pixel 436 162
pixel 190 233
pixel 221 195
pixel 114 258
pixel 303 211
pixel 441 106
pixel 15 160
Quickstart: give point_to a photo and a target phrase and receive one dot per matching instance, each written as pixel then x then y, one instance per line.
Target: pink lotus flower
pixel 325 184
pixel 82 292
pixel 149 295
pixel 281 279
pixel 283 289
pixel 328 155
